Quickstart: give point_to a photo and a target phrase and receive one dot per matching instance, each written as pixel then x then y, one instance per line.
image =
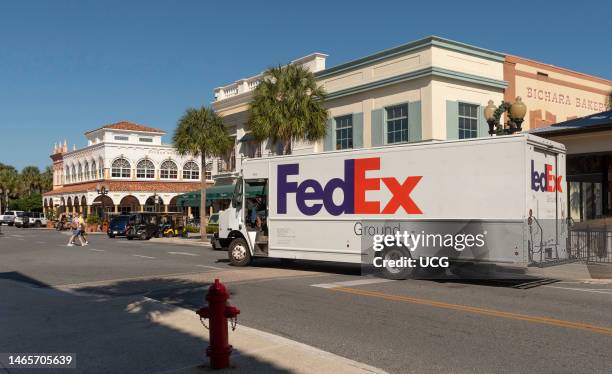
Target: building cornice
pixel 431 71
pixel 431 41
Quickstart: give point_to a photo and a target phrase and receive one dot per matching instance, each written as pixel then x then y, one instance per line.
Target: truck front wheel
pixel 239 253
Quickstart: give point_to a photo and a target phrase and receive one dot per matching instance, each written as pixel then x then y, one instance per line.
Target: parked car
pixel 31 219
pixel 143 226
pixel 8 218
pixel 118 226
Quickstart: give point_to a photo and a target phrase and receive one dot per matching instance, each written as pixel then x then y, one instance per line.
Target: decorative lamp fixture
pixel 515 115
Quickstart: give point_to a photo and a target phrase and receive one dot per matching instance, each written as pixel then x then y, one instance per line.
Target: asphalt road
pixel 421 326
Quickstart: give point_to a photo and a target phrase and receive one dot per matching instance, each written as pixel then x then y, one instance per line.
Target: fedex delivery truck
pixel 506 194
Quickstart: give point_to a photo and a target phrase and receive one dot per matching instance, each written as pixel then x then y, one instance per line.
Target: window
pixel 122 138
pixel 397 124
pixel 253 149
pixel 87 175
pixel 468 121
pixel 168 170
pixel 120 168
pixel 344 132
pixel 73 174
pixel 227 162
pixel 191 170
pixel 145 169
pixel 145 140
pixel 209 166
pixel 94 170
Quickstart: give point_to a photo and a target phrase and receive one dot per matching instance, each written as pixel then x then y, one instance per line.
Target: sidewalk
pixel 140 335
pixel 576 271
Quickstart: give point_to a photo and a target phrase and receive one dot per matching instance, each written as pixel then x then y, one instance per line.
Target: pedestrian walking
pixel 76 232
pixel 82 227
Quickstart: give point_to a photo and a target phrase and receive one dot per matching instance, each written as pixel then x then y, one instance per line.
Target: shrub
pixel 93 219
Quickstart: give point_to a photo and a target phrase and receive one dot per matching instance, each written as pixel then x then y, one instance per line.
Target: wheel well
pixel 235 234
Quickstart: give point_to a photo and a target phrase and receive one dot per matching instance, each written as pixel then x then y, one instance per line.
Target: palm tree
pixel 9 184
pixel 46 180
pixel 30 177
pixel 609 103
pixel 200 132
pixel 288 105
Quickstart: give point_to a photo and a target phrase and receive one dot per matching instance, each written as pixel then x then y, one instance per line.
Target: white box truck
pixel 328 206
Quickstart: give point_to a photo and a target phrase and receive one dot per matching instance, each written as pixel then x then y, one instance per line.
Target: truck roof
pixel 529 138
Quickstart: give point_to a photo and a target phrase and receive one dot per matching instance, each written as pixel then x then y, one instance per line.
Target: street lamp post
pixel 516 113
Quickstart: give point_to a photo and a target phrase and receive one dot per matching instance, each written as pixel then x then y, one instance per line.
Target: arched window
pixel 73 174
pixel 87 175
pixel 145 169
pixel 191 170
pixel 120 168
pixel 94 170
pixel 80 174
pixel 67 175
pixel 168 170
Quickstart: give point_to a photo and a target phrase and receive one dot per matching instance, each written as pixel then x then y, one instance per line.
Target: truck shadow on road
pixel 466 276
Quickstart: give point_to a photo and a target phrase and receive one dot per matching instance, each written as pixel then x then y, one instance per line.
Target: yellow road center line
pixel 482 311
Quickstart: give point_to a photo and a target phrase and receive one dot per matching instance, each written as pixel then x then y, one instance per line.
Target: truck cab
pixel 243 226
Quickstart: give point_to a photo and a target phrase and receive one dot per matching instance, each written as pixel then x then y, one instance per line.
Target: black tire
pixel 129 237
pixel 238 252
pixel 143 236
pixel 111 236
pixel 10 224
pixel 397 273
pixel 37 224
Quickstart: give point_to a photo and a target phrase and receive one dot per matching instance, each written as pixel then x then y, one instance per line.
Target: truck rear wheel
pixel 400 272
pixel 239 253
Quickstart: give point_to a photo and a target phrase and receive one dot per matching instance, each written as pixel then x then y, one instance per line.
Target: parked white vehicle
pixel 328 206
pixel 31 219
pixel 8 218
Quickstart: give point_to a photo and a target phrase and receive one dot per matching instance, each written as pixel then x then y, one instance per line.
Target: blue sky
pixel 70 66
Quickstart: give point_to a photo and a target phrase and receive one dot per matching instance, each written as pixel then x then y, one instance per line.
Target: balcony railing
pixel 315 62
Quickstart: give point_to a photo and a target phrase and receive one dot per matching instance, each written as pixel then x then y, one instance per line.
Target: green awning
pixel 222 192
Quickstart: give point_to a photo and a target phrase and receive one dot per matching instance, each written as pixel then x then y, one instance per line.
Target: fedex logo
pixel 546 181
pixel 311 196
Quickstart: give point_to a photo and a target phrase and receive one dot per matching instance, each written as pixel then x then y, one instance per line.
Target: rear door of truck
pixel 546 200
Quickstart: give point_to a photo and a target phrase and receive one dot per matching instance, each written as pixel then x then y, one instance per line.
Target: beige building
pixel 553 94
pixel 429 89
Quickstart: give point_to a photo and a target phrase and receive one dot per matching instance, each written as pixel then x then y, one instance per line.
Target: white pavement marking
pixel 41 243
pixel 357 282
pixel 182 253
pixel 210 267
pixel 96 250
pixel 142 256
pixel 17 236
pixel 607 292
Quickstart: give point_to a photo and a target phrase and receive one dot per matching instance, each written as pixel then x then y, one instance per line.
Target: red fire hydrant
pixel 218 312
